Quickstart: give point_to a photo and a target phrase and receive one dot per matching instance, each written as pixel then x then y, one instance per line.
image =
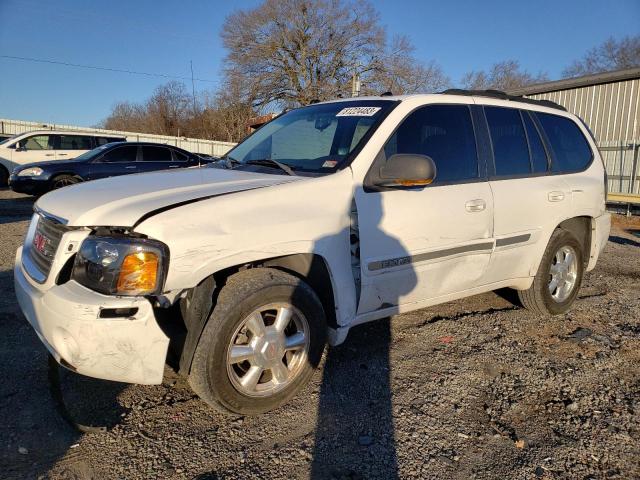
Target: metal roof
pixel 585 81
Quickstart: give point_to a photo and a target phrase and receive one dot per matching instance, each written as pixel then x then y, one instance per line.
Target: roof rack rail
pixel 502 96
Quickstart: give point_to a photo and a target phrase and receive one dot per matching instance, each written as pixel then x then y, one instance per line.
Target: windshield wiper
pixel 268 162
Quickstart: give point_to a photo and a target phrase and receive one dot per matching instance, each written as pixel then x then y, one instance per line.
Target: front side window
pixel 38 142
pixel 571 151
pixel 510 149
pixel 317 138
pixel 74 142
pixel 444 133
pixel 156 154
pixel 121 155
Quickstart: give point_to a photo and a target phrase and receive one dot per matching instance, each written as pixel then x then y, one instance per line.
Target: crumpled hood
pixel 122 201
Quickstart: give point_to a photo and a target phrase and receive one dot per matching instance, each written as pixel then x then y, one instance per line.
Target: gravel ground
pixel 476 388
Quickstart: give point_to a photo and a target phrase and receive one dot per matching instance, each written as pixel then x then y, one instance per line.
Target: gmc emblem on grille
pixel 40 243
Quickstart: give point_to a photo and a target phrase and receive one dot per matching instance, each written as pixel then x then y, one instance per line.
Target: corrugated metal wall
pixel 612 111
pixel 209 147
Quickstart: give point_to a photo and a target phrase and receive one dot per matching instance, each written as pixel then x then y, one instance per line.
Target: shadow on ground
pixel 624 241
pixel 35 437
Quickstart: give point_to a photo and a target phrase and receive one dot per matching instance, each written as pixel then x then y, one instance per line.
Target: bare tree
pixel 398 71
pixel 291 52
pixel 225 115
pixel 503 76
pixel 169 111
pixel 611 55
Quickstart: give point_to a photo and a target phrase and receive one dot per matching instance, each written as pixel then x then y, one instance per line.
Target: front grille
pixel 44 243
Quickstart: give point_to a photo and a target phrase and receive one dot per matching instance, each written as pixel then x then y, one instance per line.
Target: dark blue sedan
pixel 110 160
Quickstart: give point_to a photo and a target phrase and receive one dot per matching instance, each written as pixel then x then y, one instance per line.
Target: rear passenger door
pixel 70 146
pixel 155 157
pixel 418 244
pixel 529 201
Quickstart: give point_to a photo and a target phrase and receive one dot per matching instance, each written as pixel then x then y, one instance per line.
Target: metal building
pixel 609 103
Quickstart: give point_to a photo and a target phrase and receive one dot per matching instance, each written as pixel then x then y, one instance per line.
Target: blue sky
pixel 163 36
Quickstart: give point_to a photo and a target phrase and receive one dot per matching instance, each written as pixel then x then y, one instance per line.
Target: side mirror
pixel 407 170
pixel 21 147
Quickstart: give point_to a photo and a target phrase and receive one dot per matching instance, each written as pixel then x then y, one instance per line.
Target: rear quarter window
pixel 571 151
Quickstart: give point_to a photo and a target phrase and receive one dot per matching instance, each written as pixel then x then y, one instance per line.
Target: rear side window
pixel 536 147
pixel 444 133
pixel 121 155
pixel 571 152
pixel 510 149
pixel 179 156
pixel 74 142
pixel 156 154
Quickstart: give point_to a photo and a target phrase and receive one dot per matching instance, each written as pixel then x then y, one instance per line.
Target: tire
pixel 64 181
pixel 539 298
pixel 4 177
pixel 250 294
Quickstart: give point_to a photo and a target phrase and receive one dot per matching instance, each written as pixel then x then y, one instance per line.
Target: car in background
pixel 110 160
pixel 41 145
pixel 5 136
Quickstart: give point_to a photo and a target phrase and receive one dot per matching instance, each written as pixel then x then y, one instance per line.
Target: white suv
pixel 329 216
pixel 43 145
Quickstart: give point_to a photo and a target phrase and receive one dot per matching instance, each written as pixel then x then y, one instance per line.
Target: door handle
pixel 174 166
pixel 49 154
pixel 555 196
pixel 63 154
pixel 477 205
pixel 129 168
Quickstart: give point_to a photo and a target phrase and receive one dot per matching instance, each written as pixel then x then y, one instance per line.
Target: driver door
pixel 36 148
pixel 418 244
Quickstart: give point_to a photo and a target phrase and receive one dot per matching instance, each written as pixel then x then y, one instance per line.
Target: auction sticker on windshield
pixel 358 112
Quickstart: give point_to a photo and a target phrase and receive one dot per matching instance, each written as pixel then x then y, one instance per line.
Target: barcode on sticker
pixel 358 112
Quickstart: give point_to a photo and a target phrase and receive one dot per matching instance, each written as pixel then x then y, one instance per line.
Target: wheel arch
pixel 580 227
pixel 195 307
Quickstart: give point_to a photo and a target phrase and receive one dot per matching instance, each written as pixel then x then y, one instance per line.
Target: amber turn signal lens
pixel 138 274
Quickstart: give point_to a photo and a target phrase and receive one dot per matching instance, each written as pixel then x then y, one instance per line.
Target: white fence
pixel 196 145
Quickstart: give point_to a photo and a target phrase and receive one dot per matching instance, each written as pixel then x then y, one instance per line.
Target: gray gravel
pixel 476 388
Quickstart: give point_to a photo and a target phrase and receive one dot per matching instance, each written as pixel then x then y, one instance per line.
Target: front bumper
pixel 67 320
pixel 29 185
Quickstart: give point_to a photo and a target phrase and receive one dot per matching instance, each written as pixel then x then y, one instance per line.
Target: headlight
pixel 121 266
pixel 30 172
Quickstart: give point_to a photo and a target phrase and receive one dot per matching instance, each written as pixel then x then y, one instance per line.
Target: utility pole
pixel 193 88
pixel 355 84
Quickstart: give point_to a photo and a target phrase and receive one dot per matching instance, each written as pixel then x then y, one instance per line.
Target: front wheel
pixel 261 344
pixel 64 181
pixel 559 276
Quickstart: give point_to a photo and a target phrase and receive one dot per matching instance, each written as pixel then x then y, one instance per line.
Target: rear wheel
pixel 559 276
pixel 261 344
pixel 64 181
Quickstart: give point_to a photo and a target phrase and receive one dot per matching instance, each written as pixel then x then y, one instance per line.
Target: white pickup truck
pixel 329 216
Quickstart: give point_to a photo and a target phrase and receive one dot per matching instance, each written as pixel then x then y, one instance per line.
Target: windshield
pixel 316 139
pixel 92 153
pixel 7 140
